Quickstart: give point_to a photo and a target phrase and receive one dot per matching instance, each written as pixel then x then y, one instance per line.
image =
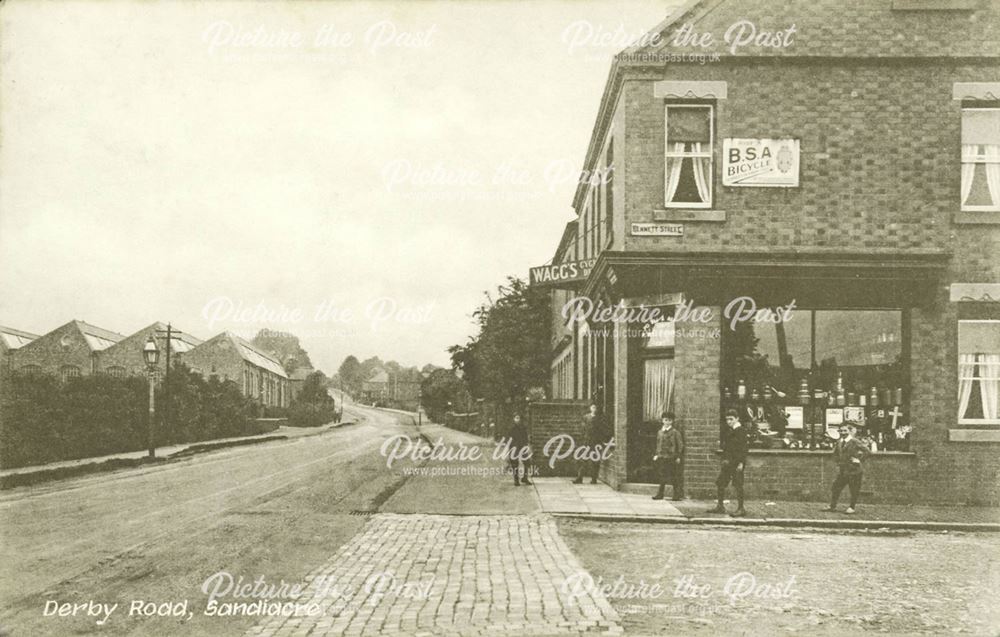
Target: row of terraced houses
pixel 80 349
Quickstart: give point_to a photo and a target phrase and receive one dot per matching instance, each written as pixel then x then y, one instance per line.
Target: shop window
pixel 979 372
pixel 793 382
pixel 688 166
pixel 117 371
pixel 69 371
pixel 981 159
pixel 31 370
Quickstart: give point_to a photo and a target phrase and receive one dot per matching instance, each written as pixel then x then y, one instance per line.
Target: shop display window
pixel 794 381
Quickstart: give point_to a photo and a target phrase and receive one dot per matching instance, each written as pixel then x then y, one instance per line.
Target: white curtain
pixel 701 167
pixel 992 172
pixel 966 370
pixel 658 390
pixel 968 169
pixel 674 171
pixel 989 384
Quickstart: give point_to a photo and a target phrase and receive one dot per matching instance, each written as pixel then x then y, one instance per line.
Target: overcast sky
pixel 387 162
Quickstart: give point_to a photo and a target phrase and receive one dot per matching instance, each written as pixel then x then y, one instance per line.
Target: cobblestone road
pixel 448 575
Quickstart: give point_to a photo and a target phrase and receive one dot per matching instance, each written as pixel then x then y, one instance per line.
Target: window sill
pixel 689 214
pixel 984 217
pixel 974 435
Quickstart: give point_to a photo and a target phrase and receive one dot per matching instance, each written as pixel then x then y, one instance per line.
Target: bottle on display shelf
pixel 862 400
pixel 741 390
pixel 755 395
pixel 897 396
pixel 804 392
pixel 768 393
pixel 852 399
pixel 726 394
pixel 885 397
pixel 873 396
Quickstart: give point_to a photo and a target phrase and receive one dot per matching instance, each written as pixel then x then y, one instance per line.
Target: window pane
pixel 862 348
pixel 660 334
pixel 688 125
pixel 755 352
pixel 976 337
pixel 979 126
pixel 687 190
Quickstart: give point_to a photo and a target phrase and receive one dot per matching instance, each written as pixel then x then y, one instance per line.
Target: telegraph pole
pixel 168 333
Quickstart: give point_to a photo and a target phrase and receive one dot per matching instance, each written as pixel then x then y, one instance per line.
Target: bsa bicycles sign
pixel 760 162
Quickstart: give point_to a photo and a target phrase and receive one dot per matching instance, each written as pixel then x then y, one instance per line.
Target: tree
pixel 351 375
pixel 314 389
pixel 509 355
pixel 439 389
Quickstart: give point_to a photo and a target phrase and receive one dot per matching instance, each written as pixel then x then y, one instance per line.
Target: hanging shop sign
pixel 657 229
pixel 760 162
pixel 559 273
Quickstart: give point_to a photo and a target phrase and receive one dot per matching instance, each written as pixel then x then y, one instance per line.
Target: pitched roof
pixel 13 339
pixel 97 338
pixel 256 357
pixel 180 342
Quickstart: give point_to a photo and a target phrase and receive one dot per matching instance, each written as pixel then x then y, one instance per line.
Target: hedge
pixel 45 420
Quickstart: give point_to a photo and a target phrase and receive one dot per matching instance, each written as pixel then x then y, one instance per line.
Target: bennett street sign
pixel 557 273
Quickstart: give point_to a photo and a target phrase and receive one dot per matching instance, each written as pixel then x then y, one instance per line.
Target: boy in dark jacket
pixel 520 452
pixel 848 454
pixel 667 459
pixel 734 456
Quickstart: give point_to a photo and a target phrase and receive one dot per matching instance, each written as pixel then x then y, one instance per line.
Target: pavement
pixel 170 450
pixel 560 497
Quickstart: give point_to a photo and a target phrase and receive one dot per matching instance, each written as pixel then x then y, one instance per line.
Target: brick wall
pixel 880 147
pixel 62 346
pixel 552 418
pixel 696 401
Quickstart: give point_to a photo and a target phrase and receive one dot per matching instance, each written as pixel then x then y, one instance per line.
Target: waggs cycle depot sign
pixel 760 162
pixel 561 273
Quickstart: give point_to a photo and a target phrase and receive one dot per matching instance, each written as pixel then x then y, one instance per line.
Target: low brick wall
pixel 808 475
pixel 551 418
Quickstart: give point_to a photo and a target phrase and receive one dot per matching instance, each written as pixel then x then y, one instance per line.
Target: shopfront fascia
pixel 706 361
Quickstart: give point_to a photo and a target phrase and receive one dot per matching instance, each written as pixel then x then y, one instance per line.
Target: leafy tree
pixel 314 390
pixel 351 375
pixel 439 389
pixel 509 355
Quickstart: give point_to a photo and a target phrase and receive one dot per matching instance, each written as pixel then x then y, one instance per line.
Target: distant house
pixel 11 340
pixel 125 357
pixel 375 388
pixel 67 351
pixel 229 357
pixel 383 387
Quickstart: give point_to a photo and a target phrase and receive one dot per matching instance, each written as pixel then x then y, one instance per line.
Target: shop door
pixel 654 370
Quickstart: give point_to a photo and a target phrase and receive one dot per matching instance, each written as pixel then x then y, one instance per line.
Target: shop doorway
pixel 653 367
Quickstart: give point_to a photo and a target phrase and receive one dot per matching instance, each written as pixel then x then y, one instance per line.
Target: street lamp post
pixel 151 355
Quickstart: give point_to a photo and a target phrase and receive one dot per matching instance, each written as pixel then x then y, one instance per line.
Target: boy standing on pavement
pixel 667 459
pixel 848 454
pixel 734 456
pixel 593 426
pixel 520 452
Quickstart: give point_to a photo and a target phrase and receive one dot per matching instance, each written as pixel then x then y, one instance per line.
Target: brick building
pixel 67 351
pixel 837 162
pixel 125 357
pixel 229 357
pixel 11 340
